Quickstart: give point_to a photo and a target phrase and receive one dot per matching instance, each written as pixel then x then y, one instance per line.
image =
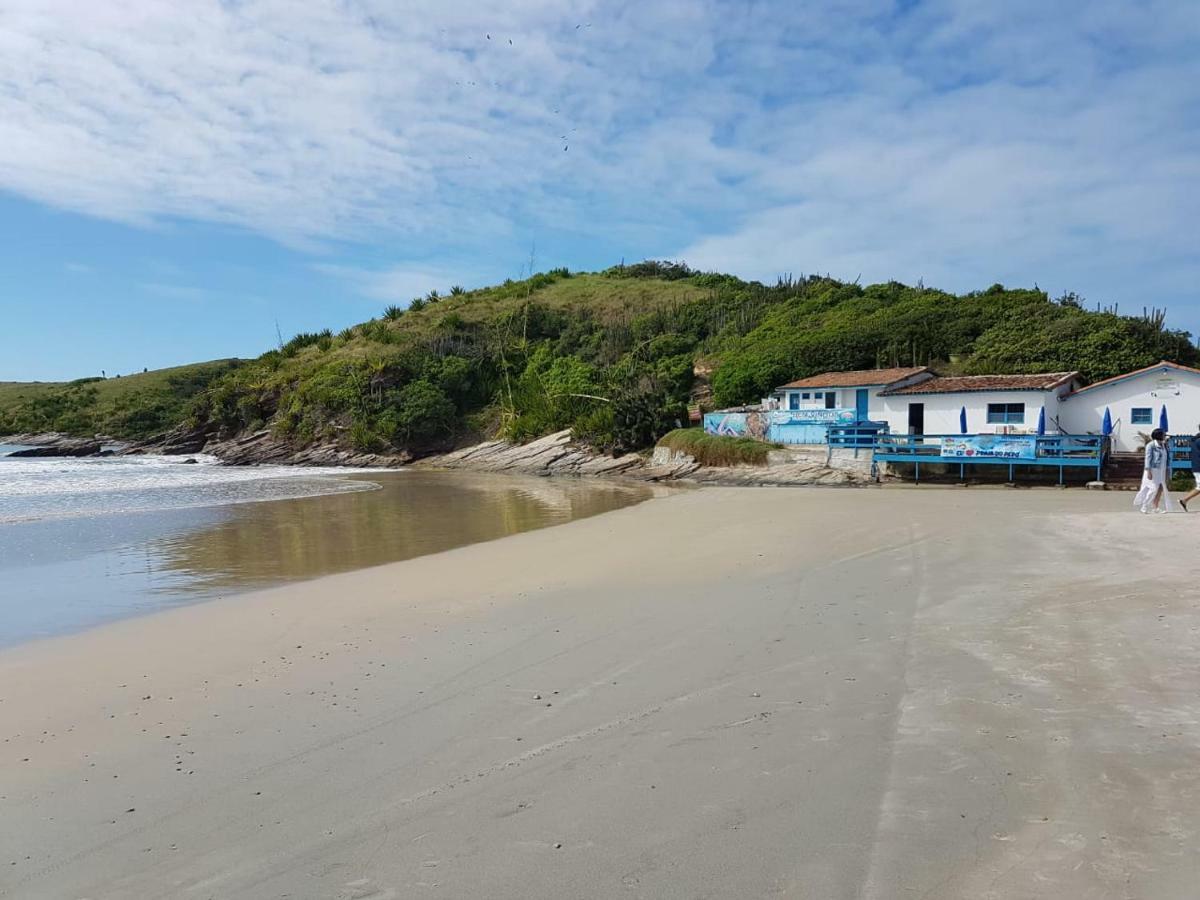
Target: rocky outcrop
pixel 554 454
pixel 62 448
pixel 179 441
pixel 263 447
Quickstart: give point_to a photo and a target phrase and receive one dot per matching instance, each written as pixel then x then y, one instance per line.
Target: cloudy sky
pixel 177 178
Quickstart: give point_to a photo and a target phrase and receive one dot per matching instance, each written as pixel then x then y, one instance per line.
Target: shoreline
pixel 815 692
pixel 67 573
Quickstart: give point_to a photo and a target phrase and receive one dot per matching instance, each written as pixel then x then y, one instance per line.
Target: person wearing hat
pixel 1155 473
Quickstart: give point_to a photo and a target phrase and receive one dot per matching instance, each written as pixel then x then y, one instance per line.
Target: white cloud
pixel 961 142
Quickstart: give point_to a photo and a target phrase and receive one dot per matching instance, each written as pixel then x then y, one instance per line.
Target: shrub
pixel 418 413
pixel 363 437
pixel 323 340
pixel 393 312
pixel 717 450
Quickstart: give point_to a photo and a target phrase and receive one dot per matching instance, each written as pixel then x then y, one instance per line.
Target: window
pixel 1141 415
pixel 1006 413
pixel 830 399
pixel 817 395
pixel 804 396
pixel 793 400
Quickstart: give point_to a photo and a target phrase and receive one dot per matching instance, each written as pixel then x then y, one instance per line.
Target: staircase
pixel 1124 470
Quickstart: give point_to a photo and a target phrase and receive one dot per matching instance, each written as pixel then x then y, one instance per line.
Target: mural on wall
pixel 734 424
pixel 990 446
pixel 779 426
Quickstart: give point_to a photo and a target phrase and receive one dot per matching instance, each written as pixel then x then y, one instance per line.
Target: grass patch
pixel 718 450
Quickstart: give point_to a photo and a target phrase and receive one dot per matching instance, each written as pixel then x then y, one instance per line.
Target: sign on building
pixel 990 446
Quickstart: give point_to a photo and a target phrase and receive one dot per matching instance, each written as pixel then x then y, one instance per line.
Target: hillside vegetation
pixel 134 406
pixel 612 356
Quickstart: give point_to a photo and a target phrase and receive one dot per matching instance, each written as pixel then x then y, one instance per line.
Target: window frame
pixel 1006 413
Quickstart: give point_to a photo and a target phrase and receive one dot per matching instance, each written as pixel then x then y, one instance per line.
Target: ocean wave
pixel 62 487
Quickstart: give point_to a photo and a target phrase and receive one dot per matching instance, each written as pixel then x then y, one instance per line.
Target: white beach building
pixel 1135 402
pixel 994 404
pixel 858 390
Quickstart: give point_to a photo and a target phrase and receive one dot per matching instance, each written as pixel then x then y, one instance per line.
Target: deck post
pixel 1010 473
pixel 961 471
pixel 917 471
pixel 1060 473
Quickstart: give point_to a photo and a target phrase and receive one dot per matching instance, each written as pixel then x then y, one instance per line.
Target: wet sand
pixel 724 693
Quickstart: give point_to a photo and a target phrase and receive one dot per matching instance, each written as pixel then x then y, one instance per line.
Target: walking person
pixel 1155 473
pixel 1194 447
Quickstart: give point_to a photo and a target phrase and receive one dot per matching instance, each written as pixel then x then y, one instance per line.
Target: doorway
pixel 916 418
pixel 861 405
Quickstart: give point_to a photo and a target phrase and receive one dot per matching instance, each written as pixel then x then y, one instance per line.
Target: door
pixel 916 418
pixel 861 405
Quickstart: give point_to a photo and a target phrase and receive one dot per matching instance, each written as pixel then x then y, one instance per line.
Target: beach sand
pixel 724 693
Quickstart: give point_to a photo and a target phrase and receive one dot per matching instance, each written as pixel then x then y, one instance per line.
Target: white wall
pixel 942 410
pixel 846 398
pixel 1180 390
pixel 843 397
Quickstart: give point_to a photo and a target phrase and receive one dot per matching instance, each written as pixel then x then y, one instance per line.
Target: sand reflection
pixel 412 514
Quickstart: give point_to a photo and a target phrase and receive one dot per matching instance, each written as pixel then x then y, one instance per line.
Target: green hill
pixel 133 406
pixel 612 355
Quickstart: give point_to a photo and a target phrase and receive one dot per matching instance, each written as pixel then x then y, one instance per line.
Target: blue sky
pixel 175 179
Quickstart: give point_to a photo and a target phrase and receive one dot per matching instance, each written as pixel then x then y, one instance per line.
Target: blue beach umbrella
pixel 1162 418
pixel 1042 421
pixel 962 420
pixel 1106 425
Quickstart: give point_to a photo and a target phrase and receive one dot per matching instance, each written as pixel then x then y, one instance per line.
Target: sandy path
pixel 743 693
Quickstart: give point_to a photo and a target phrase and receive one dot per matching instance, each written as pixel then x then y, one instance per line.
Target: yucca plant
pixel 457 291
pixel 393 312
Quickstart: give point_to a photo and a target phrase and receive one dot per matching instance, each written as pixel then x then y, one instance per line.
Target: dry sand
pixel 725 693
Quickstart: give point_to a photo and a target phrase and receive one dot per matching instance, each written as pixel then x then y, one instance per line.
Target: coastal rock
pixel 556 454
pixel 61 448
pixel 263 447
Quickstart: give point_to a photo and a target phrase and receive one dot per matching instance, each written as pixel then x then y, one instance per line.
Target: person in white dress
pixel 1156 472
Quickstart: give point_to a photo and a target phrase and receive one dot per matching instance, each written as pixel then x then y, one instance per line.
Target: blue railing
pixel 1181 452
pixel 1057 450
pixel 859 436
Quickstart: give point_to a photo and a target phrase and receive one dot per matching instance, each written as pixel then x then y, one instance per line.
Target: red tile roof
pixel 1160 365
pixel 952 384
pixel 854 379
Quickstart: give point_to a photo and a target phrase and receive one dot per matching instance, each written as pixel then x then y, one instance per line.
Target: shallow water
pixel 71 570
